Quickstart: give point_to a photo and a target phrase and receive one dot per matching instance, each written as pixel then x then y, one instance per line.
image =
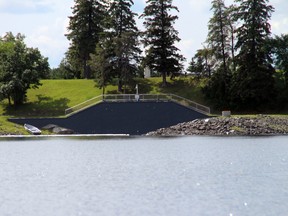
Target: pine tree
pixel 119 46
pixel 218 35
pixel 253 85
pixel 125 39
pixel 279 47
pixel 100 64
pixel 220 44
pixel 160 37
pixel 85 28
pixel 122 18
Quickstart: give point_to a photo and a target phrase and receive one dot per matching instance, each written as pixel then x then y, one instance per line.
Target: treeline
pixel 246 66
pixel 21 68
pixel 106 44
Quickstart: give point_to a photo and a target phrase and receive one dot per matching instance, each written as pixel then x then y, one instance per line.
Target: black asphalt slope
pixel 134 118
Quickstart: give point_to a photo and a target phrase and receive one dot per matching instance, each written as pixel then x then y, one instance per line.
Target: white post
pixel 137 93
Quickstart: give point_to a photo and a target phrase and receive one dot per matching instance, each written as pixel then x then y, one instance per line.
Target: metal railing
pixel 84 105
pixel 191 104
pixel 135 98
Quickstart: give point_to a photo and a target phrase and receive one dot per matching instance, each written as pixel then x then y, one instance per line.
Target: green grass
pixel 189 88
pixel 7 127
pixel 54 96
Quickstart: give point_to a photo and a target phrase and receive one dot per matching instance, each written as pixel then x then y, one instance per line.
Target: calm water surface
pixel 144 176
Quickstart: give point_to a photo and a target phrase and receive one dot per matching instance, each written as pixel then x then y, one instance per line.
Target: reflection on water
pixel 144 176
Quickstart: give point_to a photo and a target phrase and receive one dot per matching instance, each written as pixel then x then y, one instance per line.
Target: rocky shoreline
pixel 228 126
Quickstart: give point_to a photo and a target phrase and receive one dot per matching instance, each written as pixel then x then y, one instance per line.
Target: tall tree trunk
pixel 9 100
pixel 232 46
pixel 164 79
pixel 86 68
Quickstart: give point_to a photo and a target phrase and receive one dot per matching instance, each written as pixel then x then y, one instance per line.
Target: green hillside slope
pixel 54 96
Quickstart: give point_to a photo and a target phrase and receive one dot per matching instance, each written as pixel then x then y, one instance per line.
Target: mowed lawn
pixel 54 96
pixel 67 92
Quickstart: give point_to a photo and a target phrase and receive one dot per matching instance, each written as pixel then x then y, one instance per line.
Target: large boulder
pixel 60 130
pixel 57 129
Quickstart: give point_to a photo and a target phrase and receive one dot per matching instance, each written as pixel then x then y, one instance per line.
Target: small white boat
pixel 32 129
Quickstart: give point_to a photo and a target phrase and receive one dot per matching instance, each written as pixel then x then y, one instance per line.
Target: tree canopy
pixel 160 37
pixel 119 49
pixel 21 68
pixel 253 84
pixel 219 42
pixel 85 29
pixel 238 59
pixel 244 77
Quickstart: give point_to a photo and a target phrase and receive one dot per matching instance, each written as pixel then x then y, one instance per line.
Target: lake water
pixel 144 176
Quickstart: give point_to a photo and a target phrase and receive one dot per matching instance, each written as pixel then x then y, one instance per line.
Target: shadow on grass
pixel 188 88
pixel 44 107
pixel 171 86
pixel 144 87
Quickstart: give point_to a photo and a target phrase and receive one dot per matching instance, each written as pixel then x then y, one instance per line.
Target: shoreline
pixel 260 125
pixel 66 135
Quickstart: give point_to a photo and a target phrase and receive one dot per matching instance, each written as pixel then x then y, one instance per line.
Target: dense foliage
pixel 160 37
pixel 20 68
pixel 117 54
pixel 253 83
pixel 85 28
pixel 245 67
pixel 239 37
pixel 239 56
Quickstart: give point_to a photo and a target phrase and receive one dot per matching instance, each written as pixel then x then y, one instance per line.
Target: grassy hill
pixel 54 96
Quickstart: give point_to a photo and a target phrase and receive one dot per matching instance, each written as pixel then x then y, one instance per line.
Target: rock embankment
pixel 237 126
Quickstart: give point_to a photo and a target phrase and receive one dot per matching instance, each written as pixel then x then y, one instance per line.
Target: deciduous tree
pixel 20 68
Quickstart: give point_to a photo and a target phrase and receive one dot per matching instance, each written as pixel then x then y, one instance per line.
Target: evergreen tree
pixel 232 22
pixel 206 59
pixel 279 48
pixel 63 71
pixel 218 35
pixel 198 64
pixel 219 41
pixel 85 28
pixel 193 67
pixel 160 36
pixel 122 19
pixel 125 40
pixel 101 64
pixel 253 84
pixel 120 43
